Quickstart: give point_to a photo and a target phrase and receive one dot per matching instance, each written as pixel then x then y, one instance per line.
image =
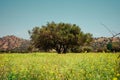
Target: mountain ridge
pixel 13 43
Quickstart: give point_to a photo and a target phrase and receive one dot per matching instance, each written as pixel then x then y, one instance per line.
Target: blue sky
pixel 19 16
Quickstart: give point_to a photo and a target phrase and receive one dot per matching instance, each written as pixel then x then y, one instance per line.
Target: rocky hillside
pixel 13 43
pixel 100 44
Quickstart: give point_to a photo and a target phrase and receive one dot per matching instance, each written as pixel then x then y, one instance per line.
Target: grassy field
pixel 52 66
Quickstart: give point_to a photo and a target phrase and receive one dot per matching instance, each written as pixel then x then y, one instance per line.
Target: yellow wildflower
pixel 115 78
pixel 118 74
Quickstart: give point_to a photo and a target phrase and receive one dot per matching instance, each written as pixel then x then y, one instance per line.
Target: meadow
pixel 53 66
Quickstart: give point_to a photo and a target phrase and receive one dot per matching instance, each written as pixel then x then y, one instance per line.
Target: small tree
pixel 109 46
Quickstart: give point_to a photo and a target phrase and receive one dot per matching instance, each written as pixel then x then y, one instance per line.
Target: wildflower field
pixel 53 66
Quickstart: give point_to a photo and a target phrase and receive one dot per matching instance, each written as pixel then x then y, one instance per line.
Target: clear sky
pixel 19 16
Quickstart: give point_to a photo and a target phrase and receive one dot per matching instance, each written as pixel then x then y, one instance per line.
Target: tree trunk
pixel 58 48
pixel 65 49
pixel 61 49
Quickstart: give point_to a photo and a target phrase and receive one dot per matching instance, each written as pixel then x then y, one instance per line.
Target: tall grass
pixel 51 66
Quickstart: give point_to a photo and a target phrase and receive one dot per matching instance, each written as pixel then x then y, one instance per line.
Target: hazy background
pixel 19 16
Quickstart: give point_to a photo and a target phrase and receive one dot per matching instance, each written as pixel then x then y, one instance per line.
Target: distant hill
pixel 14 44
pixel 100 44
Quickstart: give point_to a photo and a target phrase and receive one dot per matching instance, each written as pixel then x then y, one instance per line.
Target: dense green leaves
pixel 59 36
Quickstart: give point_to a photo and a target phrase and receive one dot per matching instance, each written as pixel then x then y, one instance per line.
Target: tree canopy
pixel 59 36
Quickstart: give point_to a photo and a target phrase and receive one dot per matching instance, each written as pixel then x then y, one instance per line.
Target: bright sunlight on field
pixel 51 66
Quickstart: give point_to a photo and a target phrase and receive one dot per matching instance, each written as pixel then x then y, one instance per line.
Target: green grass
pixel 52 66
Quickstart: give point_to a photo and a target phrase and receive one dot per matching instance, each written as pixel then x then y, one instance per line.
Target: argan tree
pixel 59 36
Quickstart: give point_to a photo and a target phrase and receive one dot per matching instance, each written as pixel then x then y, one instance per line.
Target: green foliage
pixel 77 49
pixel 116 46
pixel 44 66
pixel 59 36
pixel 86 49
pixel 109 46
pixel 113 46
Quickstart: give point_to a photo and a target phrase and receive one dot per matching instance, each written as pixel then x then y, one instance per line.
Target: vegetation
pixel 59 36
pixel 51 66
pixel 104 44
